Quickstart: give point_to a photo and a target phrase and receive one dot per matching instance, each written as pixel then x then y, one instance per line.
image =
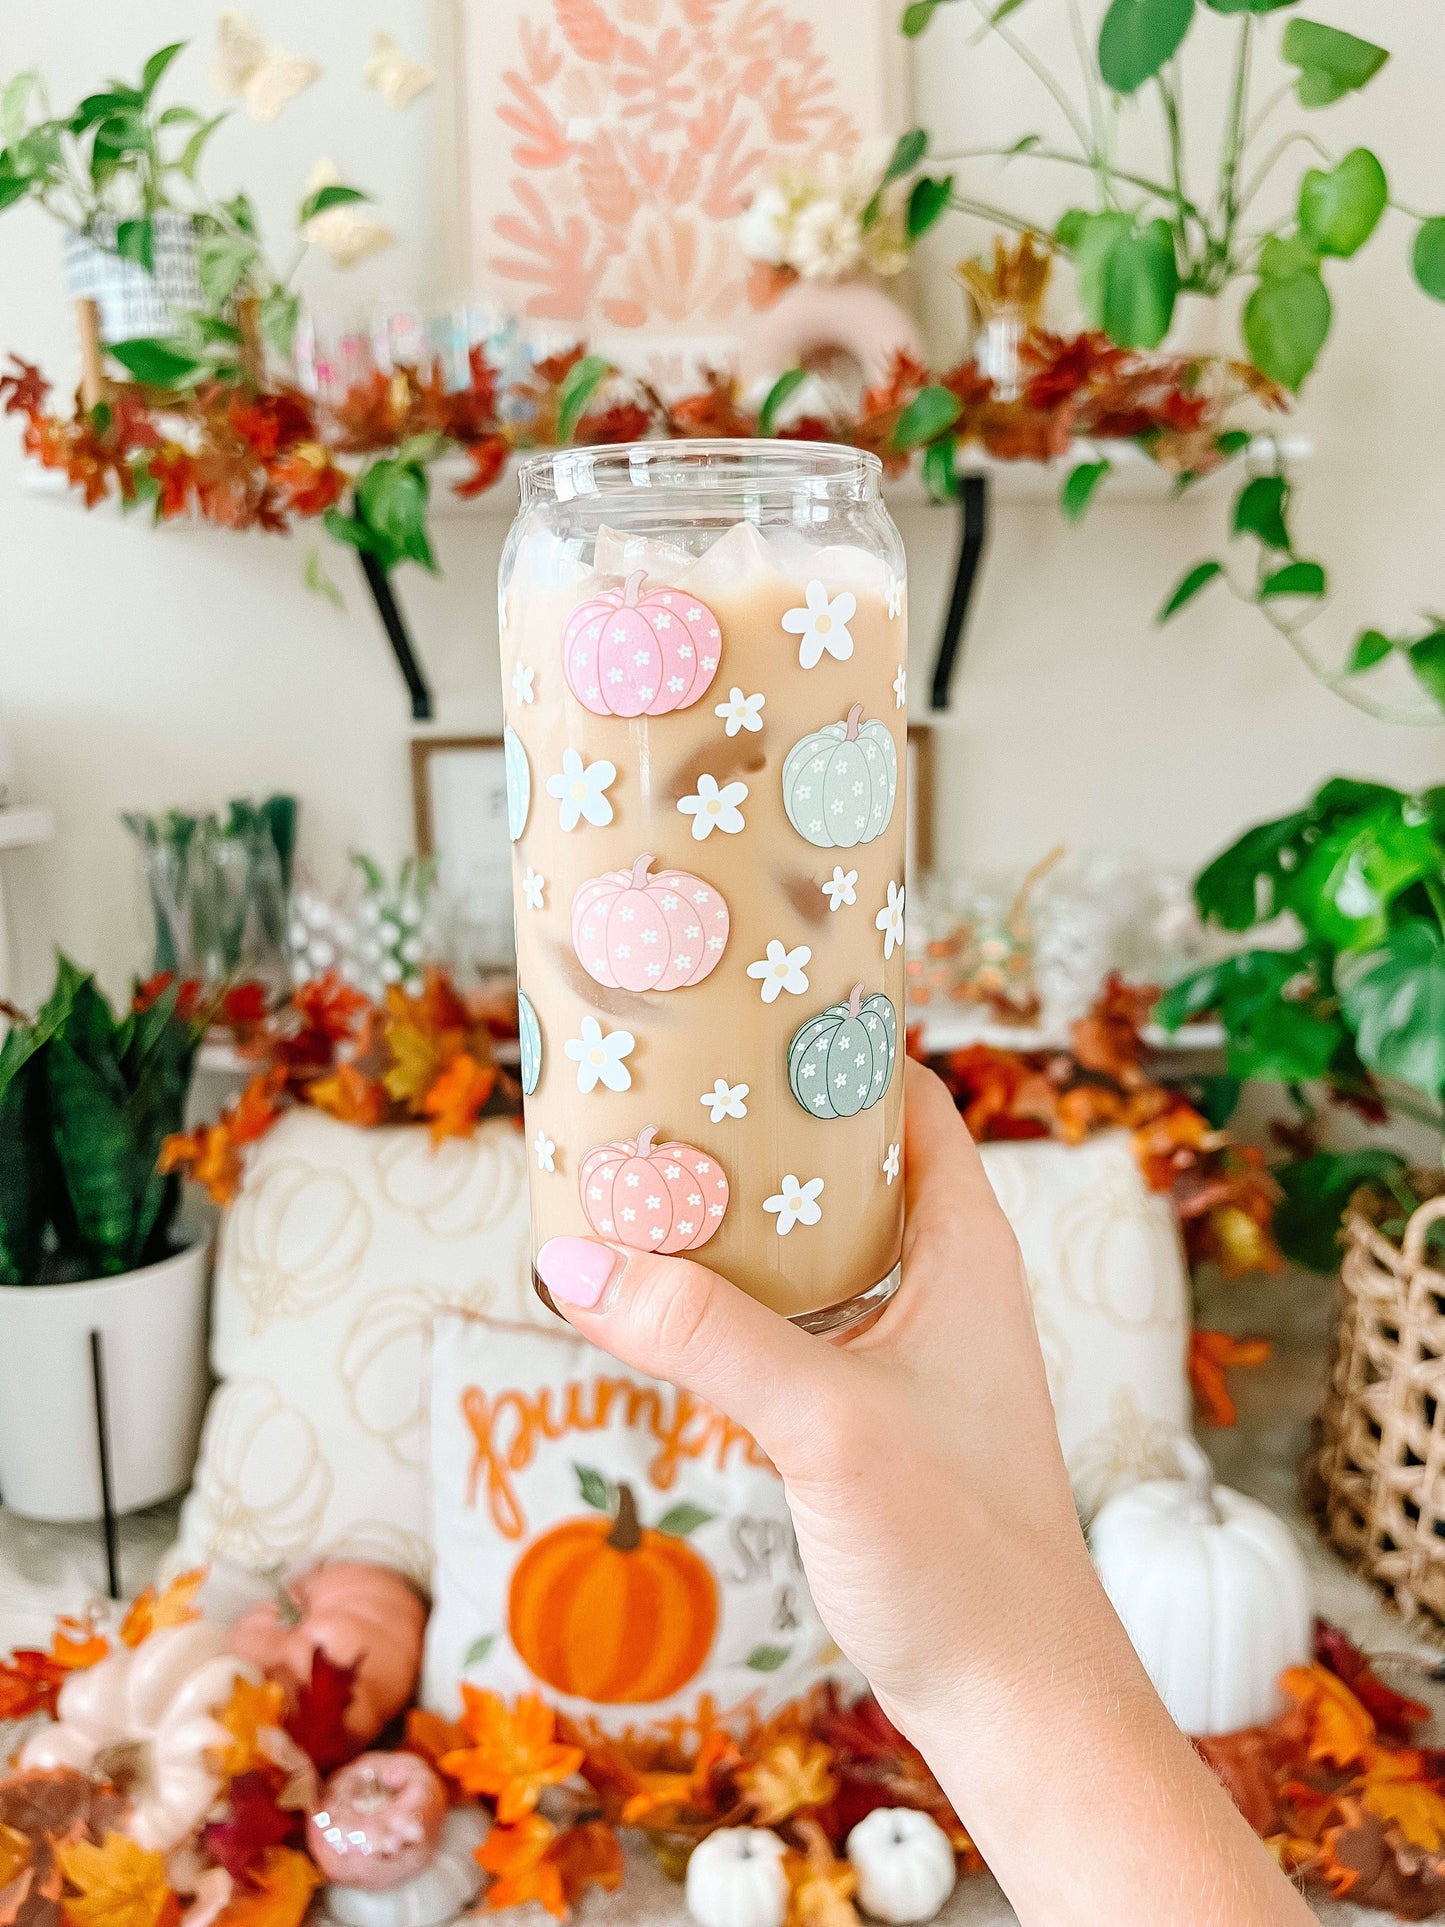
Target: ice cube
pixel 840 562
pixel 618 553
pixel 547 561
pixel 736 559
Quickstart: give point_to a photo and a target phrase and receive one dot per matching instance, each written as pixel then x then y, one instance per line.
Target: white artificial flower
pixel 890 919
pixel 247 67
pixel 895 595
pixel 712 808
pixel 822 625
pixel 581 789
pixel 827 240
pixel 725 1100
pixel 782 970
pixel 523 677
pixel 532 888
pixel 598 1055
pixel 841 887
pixel 345 233
pixel 396 78
pixel 795 1203
pixel 740 711
pixel 765 229
pixel 546 1152
pixel 900 689
pixel 890 1163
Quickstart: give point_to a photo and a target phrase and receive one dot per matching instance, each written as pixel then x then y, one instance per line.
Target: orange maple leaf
pixel 589 1855
pixel 429 1735
pixel 513 1755
pixel 280 1894
pixel 118 1884
pixel 30 1682
pixel 821 1887
pixel 1211 1355
pixel 150 1610
pixel 1396 1792
pixel 517 1859
pixel 250 1710
pixel 423 1034
pixel 349 1096
pixel 1341 1731
pixel 77 1646
pixel 680 1792
pixel 457 1096
pixel 15 1855
pixel 793 1774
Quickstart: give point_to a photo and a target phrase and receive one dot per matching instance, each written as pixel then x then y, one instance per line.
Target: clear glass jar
pixel 704 650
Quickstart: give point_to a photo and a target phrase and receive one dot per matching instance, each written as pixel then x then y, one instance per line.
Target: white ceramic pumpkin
pixel 904 1862
pixel 440 1892
pixel 1212 1590
pixel 145 1717
pixel 735 1878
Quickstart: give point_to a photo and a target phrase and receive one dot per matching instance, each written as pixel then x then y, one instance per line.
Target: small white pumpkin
pixel 1212 1590
pixel 441 1891
pixel 904 1862
pixel 735 1878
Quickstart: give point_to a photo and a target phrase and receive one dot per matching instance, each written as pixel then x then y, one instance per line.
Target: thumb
pixel 677 1320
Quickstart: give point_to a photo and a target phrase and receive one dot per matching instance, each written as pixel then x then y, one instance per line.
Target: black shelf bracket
pixel 394 623
pixel 973 508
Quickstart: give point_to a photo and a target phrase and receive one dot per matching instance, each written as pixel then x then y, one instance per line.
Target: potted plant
pixel 89 1243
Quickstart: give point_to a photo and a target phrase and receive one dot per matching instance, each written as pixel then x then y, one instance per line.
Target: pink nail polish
pixel 576 1271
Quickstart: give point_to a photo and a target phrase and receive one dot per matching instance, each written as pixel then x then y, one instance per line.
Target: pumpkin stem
pixel 640 869
pixel 289 1609
pixel 855 716
pixel 1198 1482
pixel 644 1140
pixel 855 999
pixel 632 588
pixel 626 1534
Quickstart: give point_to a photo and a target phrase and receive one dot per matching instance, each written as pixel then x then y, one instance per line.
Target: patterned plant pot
pixel 130 302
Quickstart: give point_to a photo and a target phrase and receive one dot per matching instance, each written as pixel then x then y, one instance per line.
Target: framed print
pixel 459 797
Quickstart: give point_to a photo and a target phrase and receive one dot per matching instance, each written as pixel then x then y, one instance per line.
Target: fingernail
pixel 576 1271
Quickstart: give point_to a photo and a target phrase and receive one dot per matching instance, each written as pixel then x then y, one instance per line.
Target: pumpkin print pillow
pixel 604 1540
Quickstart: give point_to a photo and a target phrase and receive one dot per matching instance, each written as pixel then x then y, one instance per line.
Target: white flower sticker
pixel 532 887
pixel 795 1203
pixel 546 1152
pixel 712 808
pixel 895 596
pixel 598 1055
pixel 890 1163
pixel 725 1100
pixel 890 919
pixel 523 677
pixel 900 689
pixel 841 887
pixel 740 711
pixel 782 970
pixel 822 625
pixel 581 789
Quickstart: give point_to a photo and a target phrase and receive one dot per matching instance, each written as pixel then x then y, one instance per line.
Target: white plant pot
pixel 152 1326
pixel 132 303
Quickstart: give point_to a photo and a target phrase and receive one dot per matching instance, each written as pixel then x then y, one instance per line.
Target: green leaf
pixel 1370 648
pixel 1295 578
pixel 1233 441
pixel 1316 1192
pixel 391 499
pixel 1394 998
pixel 13 187
pixel 1331 63
pixel 156 66
pixel 280 312
pixel 1079 486
pixel 931 413
pixel 157 363
pixel 679 1520
pixel 478 1650
pixel 1260 511
pixel 1427 256
pixel 356 535
pixel 1246 884
pixel 594 1489
pixel 333 196
pixel 319 581
pixel 916 17
pixel 1286 323
pixel 781 392
pixel 1188 586
pixel 768 1659
pixel 582 381
pixel 135 241
pixel 1247 6
pixel 189 158
pixel 1071 227
pixel 1234 988
pixel 1353 873
pixel 1427 659
pixel 179 117
pixel 908 151
pixel 240 213
pixel 927 202
pixel 1340 210
pixel 940 471
pixel 1128 277
pixel 14 100
pixel 1138 37
pixel 96 108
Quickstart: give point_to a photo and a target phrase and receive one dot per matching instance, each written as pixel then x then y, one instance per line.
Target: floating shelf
pixel 955 1027
pixel 23 825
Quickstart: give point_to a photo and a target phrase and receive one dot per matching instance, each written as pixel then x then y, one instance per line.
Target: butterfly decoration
pixel 248 68
pixel 397 78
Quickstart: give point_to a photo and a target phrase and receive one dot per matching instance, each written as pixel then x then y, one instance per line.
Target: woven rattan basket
pixel 1375 1477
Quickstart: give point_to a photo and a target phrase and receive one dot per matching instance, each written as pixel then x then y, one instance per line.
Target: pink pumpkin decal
pixel 629 654
pixel 654 1197
pixel 633 931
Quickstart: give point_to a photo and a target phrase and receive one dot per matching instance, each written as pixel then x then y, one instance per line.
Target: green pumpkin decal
pixel 529 1032
pixel 519 782
pixel 840 1062
pixel 840 782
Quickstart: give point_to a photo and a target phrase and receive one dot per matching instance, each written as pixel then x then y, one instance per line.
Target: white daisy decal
pixel 532 887
pixel 900 689
pixel 822 625
pixel 725 1100
pixel 581 789
pixel 795 1203
pixel 781 970
pixel 523 677
pixel 890 1163
pixel 598 1055
pixel 740 711
pixel 712 808
pixel 890 919
pixel 841 887
pixel 546 1152
pixel 895 596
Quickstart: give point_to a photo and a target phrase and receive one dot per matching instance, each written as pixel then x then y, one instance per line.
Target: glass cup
pixel 704 650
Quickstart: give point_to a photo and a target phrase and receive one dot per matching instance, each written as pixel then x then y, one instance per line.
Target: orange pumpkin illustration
pixel 610 1610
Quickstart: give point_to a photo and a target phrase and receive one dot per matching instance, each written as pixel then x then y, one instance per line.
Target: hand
pixel 936 1526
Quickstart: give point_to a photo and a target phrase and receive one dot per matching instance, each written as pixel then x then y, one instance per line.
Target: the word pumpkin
pixel 654 1197
pixel 840 782
pixel 629 654
pixel 840 1062
pixel 635 931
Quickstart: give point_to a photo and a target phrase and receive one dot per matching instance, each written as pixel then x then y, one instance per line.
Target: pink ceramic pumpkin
pixel 378 1822
pixel 654 1197
pixel 358 1614
pixel 633 931
pixel 629 654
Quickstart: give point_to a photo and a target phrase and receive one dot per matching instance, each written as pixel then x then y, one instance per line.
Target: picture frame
pixel 919 796
pixel 459 806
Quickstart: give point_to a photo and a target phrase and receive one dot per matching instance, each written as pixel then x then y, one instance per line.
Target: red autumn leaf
pixel 25 390
pixel 256 1822
pixel 317 1721
pixel 308 479
pixel 30 1682
pixel 1394 1715
pixel 268 423
pixel 589 1855
pixel 486 460
pixel 244 1005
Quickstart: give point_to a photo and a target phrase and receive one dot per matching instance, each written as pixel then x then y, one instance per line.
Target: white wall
pixel 143 670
